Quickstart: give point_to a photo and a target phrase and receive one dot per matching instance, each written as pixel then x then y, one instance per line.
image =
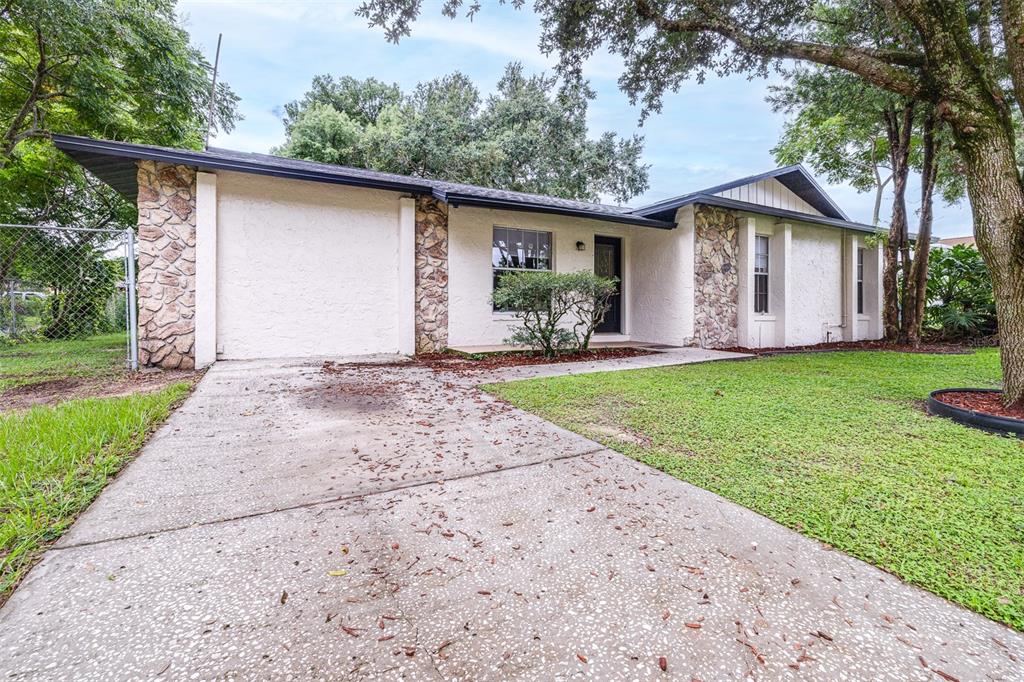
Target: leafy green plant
pixel 589 299
pixel 557 311
pixel 961 303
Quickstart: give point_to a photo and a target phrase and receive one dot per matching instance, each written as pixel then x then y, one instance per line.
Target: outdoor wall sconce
pixel 580 246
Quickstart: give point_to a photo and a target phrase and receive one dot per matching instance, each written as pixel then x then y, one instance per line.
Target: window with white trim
pixel 860 281
pixel 760 274
pixel 515 250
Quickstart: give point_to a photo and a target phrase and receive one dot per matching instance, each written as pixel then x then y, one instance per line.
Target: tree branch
pixel 876 66
pixel 13 135
pixel 1013 37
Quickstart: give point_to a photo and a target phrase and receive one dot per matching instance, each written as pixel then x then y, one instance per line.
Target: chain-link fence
pixel 62 285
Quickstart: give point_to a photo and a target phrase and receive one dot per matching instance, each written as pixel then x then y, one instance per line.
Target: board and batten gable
pixel 305 269
pixel 769 192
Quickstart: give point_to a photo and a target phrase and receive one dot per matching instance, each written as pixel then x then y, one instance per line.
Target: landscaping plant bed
pixel 981 408
pixel 932 348
pixel 486 361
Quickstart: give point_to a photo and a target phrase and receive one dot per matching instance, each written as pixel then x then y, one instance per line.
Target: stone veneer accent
pixel 716 278
pixel 167 265
pixel 431 275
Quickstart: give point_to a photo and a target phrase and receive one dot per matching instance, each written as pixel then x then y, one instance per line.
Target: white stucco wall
pixel 657 293
pixel 305 269
pixel 471 320
pixel 810 309
pixel 663 286
pixel 815 310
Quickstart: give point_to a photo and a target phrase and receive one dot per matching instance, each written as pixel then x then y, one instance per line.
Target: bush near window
pixel 558 312
pixel 960 300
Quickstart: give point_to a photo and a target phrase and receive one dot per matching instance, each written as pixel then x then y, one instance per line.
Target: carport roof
pixel 114 163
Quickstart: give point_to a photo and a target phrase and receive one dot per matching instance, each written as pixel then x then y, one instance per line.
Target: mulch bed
pixel 933 348
pixel 458 361
pixel 986 403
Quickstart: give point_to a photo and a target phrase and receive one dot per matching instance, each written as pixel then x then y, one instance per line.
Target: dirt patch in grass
pixel 53 391
pixel 620 433
pixel 986 403
pixel 929 348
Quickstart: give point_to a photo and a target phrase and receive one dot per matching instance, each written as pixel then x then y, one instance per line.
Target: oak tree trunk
pixel 970 98
pixel 899 125
pixel 891 271
pixel 997 200
pixel 916 281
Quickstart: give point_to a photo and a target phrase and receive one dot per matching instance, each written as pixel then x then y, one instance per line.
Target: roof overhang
pixel 115 164
pixel 781 213
pixel 455 199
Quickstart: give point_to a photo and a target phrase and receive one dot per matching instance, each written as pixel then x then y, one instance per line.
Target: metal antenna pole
pixel 213 93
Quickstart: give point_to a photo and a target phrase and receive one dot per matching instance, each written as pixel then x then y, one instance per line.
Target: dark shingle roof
pixel 736 205
pixel 114 163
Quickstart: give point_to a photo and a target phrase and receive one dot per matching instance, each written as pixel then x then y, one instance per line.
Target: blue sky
pixel 706 134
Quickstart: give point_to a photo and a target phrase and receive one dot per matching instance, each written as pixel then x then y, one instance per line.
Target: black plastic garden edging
pixel 978 420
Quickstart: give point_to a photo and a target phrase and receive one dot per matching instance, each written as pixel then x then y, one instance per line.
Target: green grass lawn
pixel 29 363
pixel 54 460
pixel 835 445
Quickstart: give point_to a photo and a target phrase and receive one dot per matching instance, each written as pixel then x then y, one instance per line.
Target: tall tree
pixel 104 68
pixel 107 68
pixel 836 127
pixel 854 132
pixel 530 135
pixel 963 58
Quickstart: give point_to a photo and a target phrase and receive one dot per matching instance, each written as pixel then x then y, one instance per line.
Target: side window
pixel 860 281
pixel 760 274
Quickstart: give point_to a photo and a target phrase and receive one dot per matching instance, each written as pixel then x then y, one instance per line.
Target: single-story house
pixel 253 256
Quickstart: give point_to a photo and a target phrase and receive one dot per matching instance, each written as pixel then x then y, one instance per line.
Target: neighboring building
pixel 950 242
pixel 255 256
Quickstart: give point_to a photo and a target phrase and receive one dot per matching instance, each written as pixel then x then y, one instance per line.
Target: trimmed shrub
pixel 557 311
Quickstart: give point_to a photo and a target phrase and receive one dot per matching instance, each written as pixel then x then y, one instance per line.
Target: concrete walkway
pixel 389 522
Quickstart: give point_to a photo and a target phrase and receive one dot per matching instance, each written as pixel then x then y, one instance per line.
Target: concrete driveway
pixel 385 521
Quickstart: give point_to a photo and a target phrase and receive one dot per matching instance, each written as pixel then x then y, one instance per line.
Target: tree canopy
pixel 101 68
pixel 529 136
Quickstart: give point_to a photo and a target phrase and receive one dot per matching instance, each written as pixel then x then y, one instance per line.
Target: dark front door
pixel 608 263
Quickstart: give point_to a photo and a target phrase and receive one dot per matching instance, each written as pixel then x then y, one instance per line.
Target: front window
pixel 860 281
pixel 514 249
pixel 760 274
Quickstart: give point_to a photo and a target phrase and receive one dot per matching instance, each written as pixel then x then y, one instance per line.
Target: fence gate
pixel 67 284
